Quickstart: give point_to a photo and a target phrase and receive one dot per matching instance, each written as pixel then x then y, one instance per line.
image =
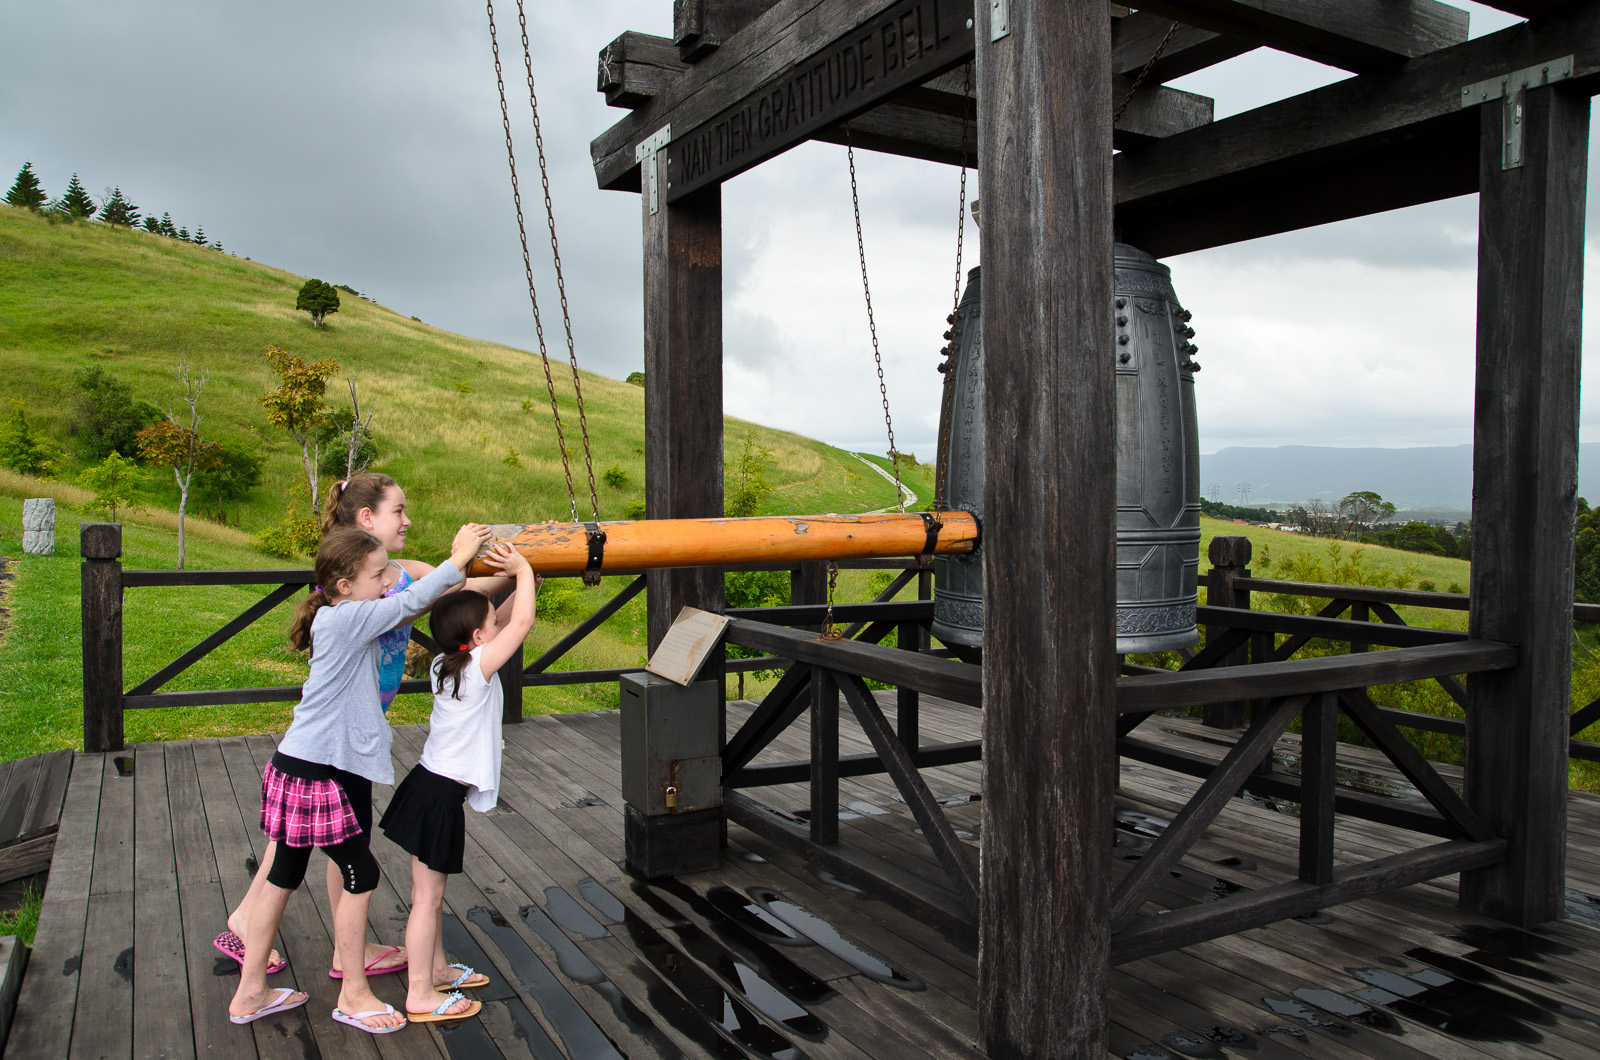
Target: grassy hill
pixel 450 409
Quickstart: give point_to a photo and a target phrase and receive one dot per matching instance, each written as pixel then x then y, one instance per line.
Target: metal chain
pixel 1144 74
pixel 555 253
pixel 829 630
pixel 947 396
pixel 866 288
pixel 527 263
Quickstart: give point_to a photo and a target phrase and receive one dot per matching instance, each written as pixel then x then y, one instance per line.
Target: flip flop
pixel 439 1015
pixel 280 1005
pixel 385 955
pixel 467 980
pixel 354 1020
pixel 233 946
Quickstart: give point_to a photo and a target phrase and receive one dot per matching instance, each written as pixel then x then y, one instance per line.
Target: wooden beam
pixel 1356 35
pixel 1358 146
pixel 700 27
pixel 636 67
pixel 1524 489
pixel 1134 40
pixel 957 681
pixel 683 387
pixel 1045 99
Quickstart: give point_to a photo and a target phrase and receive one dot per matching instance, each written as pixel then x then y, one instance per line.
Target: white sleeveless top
pixel 464 734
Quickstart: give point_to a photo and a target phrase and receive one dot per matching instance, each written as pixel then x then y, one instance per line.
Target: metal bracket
pixel 645 154
pixel 1512 89
pixel 597 553
pixel 999 19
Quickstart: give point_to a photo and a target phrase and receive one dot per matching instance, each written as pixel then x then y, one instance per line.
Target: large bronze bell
pixel 1158 465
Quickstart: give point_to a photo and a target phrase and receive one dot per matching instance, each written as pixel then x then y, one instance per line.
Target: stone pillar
pixel 39 526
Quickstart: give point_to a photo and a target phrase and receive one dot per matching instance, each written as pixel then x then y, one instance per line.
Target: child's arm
pixel 520 620
pixel 369 618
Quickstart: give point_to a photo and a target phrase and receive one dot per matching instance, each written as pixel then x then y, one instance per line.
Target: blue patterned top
pixel 392 650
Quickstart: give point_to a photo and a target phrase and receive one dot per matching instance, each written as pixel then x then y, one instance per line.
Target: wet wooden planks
pixel 585 961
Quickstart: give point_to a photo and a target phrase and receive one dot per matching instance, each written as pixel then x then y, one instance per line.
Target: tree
pixel 347 439
pixel 20 450
pixel 27 192
pixel 183 233
pixel 116 483
pixel 151 224
pixel 199 236
pixel 296 406
pixel 106 416
pixel 178 447
pixel 236 472
pixel 319 299
pixel 119 210
pixel 75 201
pixel 746 476
pixel 1359 510
pixel 636 378
pixel 165 227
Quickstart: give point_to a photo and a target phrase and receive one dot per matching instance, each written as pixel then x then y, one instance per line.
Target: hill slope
pixel 450 409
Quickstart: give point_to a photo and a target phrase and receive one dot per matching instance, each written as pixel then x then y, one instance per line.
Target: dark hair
pixel 346 498
pixel 455 619
pixel 340 555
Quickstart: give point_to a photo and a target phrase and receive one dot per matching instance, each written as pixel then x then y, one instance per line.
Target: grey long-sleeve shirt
pixel 339 721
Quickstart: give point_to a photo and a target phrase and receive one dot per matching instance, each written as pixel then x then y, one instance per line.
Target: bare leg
pixel 425 935
pixel 239 919
pixel 374 950
pixel 349 936
pixel 253 993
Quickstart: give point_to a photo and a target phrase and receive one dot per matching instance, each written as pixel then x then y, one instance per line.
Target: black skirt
pixel 426 819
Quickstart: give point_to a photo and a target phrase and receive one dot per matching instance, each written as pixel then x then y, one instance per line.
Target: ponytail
pixel 339 556
pixel 455 619
pixel 347 497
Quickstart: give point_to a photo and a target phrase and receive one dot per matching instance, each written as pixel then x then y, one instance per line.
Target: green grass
pixel 136 304
pixel 23 920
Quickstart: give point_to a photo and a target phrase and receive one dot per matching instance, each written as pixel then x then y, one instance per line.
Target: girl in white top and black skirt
pixel 460 764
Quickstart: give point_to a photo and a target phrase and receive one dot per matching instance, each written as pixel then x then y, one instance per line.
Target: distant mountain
pixel 1436 477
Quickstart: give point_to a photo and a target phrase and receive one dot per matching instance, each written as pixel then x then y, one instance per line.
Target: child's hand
pixel 468 540
pixel 505 558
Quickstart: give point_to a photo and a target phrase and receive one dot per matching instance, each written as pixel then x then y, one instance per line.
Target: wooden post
pixel 101 547
pixel 824 757
pixel 1049 666
pixel 1524 488
pixel 682 382
pixel 1230 561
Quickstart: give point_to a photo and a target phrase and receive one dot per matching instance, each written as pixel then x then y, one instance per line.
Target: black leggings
pixel 357 867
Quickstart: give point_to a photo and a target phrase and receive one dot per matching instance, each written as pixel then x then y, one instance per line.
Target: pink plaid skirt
pixel 305 813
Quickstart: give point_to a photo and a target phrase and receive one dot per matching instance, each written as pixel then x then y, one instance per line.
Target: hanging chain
pixel 1144 74
pixel 527 264
pixel 555 253
pixel 866 288
pixel 829 630
pixel 941 459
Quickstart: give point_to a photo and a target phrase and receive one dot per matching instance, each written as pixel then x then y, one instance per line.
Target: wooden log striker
pixel 564 548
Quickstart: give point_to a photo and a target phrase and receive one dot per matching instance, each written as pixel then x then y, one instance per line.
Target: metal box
pixel 670 740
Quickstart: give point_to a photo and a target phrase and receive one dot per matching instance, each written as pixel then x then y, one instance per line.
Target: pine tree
pixel 119 210
pixel 27 191
pixel 183 233
pixel 152 225
pixel 199 235
pixel 75 201
pixel 166 227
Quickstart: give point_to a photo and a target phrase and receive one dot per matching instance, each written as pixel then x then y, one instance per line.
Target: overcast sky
pixel 361 143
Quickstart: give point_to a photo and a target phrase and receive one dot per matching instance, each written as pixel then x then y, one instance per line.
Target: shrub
pixel 512 457
pixel 615 477
pixel 558 602
pixel 106 416
pixel 636 378
pixel 1426 585
pixel 634 510
pixel 296 536
pixel 463 387
pixel 20 448
pixel 1455 587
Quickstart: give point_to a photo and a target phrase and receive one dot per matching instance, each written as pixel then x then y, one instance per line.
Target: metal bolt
pixel 1122 340
pixel 1124 357
pixel 1122 321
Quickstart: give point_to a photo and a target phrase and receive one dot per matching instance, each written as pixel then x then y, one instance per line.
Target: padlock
pixel 671 793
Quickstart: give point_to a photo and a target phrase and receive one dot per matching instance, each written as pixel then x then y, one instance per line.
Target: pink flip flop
pixel 385 955
pixel 233 946
pixel 282 1004
pixel 354 1019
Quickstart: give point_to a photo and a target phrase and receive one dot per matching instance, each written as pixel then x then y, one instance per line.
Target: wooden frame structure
pixel 1429 115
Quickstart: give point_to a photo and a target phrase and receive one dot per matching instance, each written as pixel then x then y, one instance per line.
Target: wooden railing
pixel 105 583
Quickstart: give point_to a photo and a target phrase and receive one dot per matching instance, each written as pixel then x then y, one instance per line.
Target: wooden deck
pixel 587 964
